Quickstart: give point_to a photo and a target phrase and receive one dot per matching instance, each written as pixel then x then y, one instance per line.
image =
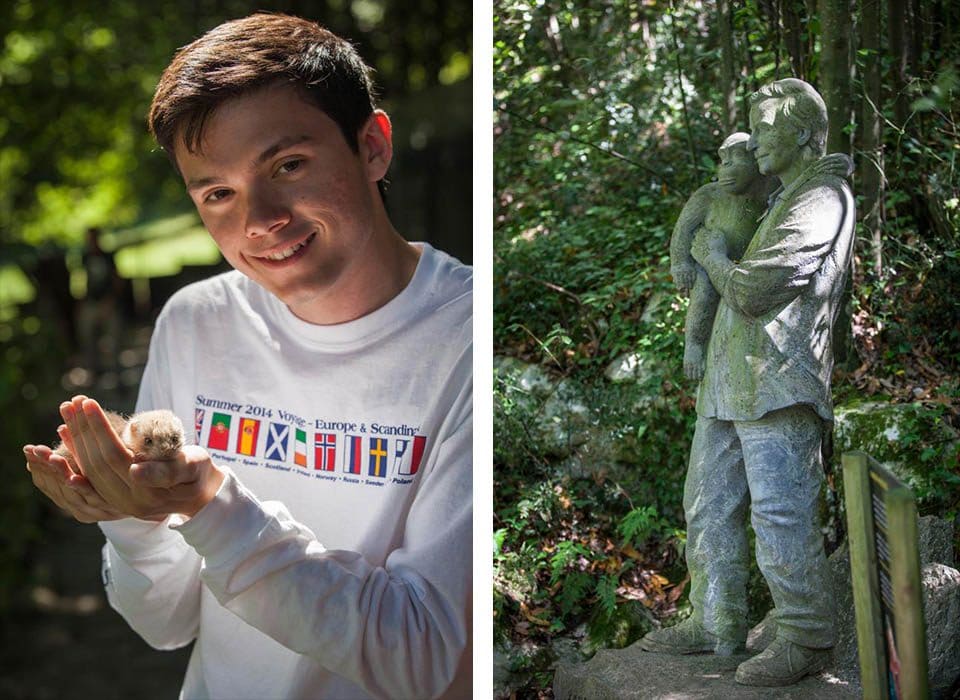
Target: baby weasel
pixel 151 435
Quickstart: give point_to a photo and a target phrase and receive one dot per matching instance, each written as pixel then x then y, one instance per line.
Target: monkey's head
pixel 738 168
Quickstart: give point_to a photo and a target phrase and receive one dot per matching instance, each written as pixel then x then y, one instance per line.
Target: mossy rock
pixel 914 440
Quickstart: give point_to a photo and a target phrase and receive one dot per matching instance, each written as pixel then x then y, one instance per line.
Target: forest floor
pixel 63 641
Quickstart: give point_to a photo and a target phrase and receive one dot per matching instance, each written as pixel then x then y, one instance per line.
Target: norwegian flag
pixel 325 451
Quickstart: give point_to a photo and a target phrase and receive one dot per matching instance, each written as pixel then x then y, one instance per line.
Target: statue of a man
pixel 764 403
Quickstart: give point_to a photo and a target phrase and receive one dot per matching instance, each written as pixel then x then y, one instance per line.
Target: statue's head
pixel 788 121
pixel 738 168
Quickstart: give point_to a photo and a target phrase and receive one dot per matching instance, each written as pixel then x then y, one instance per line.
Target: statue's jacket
pixel 771 345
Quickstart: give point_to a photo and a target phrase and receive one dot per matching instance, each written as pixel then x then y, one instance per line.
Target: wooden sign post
pixel 885 571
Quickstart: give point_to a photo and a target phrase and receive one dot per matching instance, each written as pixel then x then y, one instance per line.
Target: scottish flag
pixel 277 440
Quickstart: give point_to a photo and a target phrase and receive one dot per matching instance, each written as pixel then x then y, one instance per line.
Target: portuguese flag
pixel 219 431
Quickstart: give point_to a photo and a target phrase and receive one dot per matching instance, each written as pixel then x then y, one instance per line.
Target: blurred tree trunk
pixel 792 12
pixel 836 21
pixel 899 51
pixel 728 71
pixel 870 168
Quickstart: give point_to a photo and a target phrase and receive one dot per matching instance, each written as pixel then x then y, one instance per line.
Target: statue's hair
pixel 734 139
pixel 801 105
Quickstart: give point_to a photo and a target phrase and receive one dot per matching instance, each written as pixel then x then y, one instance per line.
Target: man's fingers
pixel 64 433
pixel 100 426
pixel 164 475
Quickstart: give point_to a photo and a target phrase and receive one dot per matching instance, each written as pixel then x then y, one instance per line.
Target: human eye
pixel 290 166
pixel 217 195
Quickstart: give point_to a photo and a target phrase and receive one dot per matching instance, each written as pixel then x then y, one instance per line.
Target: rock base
pixel 634 674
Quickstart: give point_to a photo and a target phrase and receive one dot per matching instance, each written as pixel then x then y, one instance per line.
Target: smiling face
pixel 776 143
pixel 288 202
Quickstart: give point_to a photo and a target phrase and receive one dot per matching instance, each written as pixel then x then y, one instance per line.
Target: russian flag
pixel 354 454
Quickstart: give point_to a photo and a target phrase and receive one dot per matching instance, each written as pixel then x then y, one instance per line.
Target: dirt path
pixel 70 643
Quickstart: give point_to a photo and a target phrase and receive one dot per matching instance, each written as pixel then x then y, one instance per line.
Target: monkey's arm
pixel 683 268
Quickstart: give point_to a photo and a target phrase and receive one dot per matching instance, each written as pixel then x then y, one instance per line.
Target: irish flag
pixel 300 450
pixel 219 431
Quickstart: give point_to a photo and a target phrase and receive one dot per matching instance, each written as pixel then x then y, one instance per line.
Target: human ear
pixel 376 144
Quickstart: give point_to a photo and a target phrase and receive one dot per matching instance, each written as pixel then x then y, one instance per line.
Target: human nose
pixel 265 214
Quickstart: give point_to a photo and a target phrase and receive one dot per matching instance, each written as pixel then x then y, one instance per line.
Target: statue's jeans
pixel 773 465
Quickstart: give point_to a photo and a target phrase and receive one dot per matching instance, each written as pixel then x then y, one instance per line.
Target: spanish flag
pixel 247 439
pixel 219 431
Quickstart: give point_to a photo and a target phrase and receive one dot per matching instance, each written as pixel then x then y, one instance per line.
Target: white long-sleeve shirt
pixel 335 560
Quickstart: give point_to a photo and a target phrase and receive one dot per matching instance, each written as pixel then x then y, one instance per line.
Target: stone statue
pixel 731 206
pixel 764 402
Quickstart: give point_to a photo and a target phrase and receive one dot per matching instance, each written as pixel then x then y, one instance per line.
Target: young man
pixel 764 402
pixel 315 540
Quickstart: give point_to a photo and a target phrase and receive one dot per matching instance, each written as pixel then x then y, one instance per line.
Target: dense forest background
pixel 76 79
pixel 607 117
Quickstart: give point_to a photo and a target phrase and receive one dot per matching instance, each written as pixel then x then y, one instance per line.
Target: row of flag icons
pixel 354 454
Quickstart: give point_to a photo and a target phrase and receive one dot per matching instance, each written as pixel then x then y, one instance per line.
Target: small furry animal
pixel 151 435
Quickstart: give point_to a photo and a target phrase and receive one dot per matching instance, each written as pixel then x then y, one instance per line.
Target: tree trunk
pixel 683 95
pixel 793 37
pixel 899 51
pixel 836 22
pixel 870 166
pixel 728 72
pixel 836 25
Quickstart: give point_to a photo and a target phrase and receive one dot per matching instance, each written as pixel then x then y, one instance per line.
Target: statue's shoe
pixel 689 637
pixel 782 663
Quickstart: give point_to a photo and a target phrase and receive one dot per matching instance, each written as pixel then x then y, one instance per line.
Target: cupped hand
pixel 99 453
pixel 52 475
pixel 184 484
pixel 147 490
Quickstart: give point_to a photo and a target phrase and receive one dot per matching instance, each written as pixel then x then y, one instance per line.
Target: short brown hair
pixel 243 55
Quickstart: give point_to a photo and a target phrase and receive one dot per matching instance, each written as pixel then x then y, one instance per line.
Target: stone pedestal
pixel 634 674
